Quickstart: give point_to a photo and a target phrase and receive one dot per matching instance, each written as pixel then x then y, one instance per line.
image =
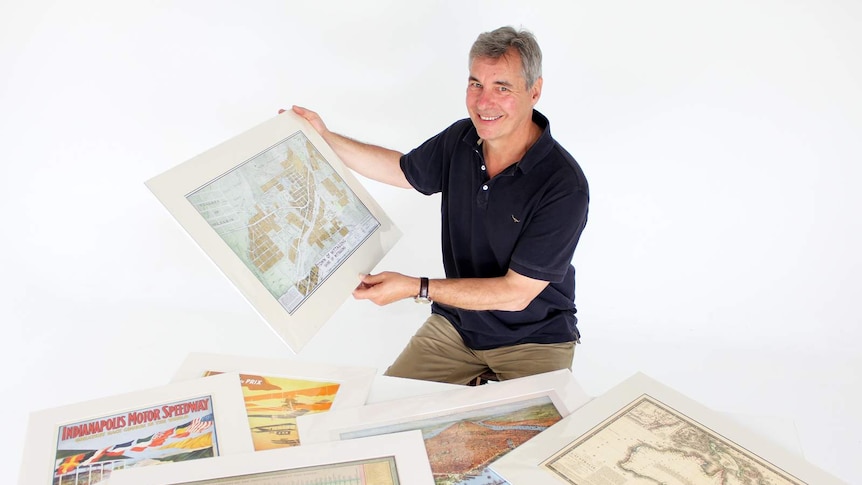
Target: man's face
pixel 498 99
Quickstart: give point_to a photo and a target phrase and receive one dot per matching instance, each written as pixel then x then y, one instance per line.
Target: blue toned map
pixel 288 215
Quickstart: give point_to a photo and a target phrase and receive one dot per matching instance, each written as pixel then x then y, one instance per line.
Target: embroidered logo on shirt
pixel 516 220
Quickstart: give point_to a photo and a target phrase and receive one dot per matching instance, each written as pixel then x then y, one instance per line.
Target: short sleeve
pixel 546 247
pixel 426 166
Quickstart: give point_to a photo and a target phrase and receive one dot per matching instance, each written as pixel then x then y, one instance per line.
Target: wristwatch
pixel 422 297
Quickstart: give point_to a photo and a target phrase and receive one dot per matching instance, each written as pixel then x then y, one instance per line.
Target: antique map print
pixel 648 443
pixel 461 446
pixel 273 404
pixel 288 216
pixel 380 471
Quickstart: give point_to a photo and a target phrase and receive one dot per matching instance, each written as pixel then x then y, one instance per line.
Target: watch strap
pixel 422 297
pixel 423 288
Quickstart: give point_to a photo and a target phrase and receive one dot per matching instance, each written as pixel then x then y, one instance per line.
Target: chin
pixel 486 134
pixel 482 129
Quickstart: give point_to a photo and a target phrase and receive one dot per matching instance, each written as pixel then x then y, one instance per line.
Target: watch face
pixel 421 299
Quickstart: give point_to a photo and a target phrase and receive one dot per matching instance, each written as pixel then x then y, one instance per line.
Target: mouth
pixel 490 118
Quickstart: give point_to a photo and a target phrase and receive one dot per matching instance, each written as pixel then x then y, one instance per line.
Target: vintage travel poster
pixel 460 446
pixel 87 451
pixel 464 429
pixel 392 459
pixel 86 442
pixel 274 403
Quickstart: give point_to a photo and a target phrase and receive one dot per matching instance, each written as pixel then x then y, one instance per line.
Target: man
pixel 514 203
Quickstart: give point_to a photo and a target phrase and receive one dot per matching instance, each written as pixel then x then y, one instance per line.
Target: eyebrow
pixel 499 83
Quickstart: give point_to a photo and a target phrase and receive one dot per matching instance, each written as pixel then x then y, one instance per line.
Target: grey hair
pixel 496 43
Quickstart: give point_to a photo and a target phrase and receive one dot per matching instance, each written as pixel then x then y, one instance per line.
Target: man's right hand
pixel 372 161
pixel 310 116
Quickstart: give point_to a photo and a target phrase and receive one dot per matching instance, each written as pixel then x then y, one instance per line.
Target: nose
pixel 483 99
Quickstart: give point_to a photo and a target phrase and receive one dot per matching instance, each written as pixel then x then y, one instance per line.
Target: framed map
pixel 396 459
pixel 464 429
pixel 642 432
pixel 283 219
pixel 86 443
pixel 277 391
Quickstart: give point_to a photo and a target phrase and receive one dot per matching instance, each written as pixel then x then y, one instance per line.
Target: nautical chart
pixel 648 443
pixel 288 215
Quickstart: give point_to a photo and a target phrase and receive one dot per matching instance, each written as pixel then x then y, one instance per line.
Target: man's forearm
pixel 372 161
pixel 512 292
pixel 501 293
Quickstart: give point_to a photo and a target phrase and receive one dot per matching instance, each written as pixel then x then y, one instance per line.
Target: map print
pixel 648 443
pixel 288 215
pixel 379 471
pixel 461 446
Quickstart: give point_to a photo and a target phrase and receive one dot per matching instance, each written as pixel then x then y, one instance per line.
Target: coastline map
pixel 289 217
pixel 648 443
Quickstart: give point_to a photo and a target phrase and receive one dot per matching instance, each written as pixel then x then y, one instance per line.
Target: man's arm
pixel 512 292
pixel 375 162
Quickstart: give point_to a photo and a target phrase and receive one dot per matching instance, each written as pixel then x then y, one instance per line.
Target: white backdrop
pixel 721 142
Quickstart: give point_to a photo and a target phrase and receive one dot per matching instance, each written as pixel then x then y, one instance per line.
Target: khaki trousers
pixel 437 353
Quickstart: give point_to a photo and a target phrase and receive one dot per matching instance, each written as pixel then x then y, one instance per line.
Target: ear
pixel 536 91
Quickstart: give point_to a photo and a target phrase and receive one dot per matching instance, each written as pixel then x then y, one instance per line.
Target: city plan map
pixel 648 443
pixel 288 216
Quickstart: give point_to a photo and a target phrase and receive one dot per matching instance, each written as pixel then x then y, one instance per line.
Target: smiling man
pixel 514 204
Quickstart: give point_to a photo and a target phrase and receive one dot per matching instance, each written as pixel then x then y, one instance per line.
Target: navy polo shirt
pixel 527 218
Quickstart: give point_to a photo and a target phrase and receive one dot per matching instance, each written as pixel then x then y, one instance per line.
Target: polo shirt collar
pixel 537 152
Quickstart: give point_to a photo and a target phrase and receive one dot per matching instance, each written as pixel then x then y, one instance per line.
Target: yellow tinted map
pixel 648 443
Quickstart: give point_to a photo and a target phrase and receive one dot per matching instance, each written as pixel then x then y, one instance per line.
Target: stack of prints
pixel 231 419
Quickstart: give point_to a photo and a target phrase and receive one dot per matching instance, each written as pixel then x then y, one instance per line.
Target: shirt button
pixel 483 167
pixel 484 187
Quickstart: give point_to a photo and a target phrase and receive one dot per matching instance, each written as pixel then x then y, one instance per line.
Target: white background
pixel 721 141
